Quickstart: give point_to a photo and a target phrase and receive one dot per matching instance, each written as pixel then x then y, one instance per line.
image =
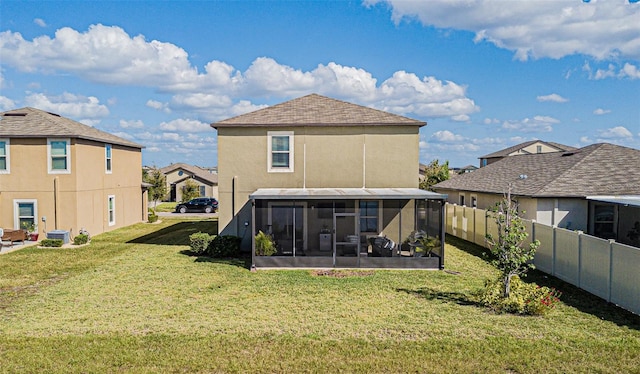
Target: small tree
pixel 511 257
pixel 158 188
pixel 190 190
pixel 434 173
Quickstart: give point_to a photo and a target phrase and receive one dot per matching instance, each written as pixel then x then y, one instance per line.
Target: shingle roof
pixel 597 169
pixel 194 170
pixel 507 151
pixel 316 110
pixel 36 123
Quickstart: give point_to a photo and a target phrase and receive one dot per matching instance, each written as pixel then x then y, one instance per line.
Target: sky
pixel 483 74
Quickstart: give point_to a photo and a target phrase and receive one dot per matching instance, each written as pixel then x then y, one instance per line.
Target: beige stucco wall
pixel 78 199
pixel 324 156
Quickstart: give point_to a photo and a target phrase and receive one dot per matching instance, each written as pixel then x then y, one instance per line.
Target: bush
pixel 224 246
pixel 264 244
pixel 81 239
pixel 524 298
pixel 152 217
pixel 199 242
pixel 51 243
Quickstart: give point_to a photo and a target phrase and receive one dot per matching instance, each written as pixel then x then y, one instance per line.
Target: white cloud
pixel 106 54
pixel 601 111
pixel 615 132
pixel 6 103
pixel 40 22
pixel 585 140
pixel 535 124
pixel 133 124
pixel 554 29
pixel 185 126
pixel 447 136
pixel 158 106
pixel 553 98
pixel 489 121
pixel 630 71
pixel 80 107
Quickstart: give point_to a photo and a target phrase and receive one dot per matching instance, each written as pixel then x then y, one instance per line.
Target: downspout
pixel 233 203
pixel 304 164
pixel 364 163
pixel 56 199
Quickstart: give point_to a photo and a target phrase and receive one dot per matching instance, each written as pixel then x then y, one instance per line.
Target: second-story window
pixel 4 156
pixel 59 156
pixel 280 148
pixel 107 155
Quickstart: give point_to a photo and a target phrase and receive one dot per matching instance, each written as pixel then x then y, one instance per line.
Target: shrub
pixel 81 239
pixel 51 243
pixel 524 298
pixel 224 246
pixel 265 245
pixel 152 217
pixel 199 242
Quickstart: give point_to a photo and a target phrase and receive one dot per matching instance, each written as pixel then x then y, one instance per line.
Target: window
pixel 484 162
pixel 203 192
pixel 107 155
pixel 369 213
pixel 539 149
pixel 58 151
pixel 111 209
pixel 25 213
pixel 461 199
pixel 4 156
pixel 474 201
pixel 280 148
pixel 604 216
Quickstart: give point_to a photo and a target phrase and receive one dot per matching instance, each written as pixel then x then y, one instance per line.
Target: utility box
pixel 59 234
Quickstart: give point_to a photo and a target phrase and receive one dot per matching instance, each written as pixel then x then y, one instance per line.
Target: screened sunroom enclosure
pixel 348 227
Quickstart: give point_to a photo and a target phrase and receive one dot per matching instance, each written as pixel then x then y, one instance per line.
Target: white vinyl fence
pixel 602 267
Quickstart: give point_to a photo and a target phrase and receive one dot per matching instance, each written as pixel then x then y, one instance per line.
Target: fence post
pixel 611 241
pixel 553 250
pixel 579 258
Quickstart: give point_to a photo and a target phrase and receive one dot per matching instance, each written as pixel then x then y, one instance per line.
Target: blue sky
pixel 483 74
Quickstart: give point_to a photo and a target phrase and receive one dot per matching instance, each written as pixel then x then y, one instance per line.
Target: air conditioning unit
pixel 59 234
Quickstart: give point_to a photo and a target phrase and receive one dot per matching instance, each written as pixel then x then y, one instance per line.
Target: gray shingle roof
pixel 200 173
pixel 36 123
pixel 507 151
pixel 597 169
pixel 316 110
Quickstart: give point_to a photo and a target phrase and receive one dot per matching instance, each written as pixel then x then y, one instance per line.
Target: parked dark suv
pixel 201 204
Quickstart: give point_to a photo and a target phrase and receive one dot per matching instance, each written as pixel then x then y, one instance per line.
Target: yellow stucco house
pixel 62 175
pixel 178 174
pixel 328 180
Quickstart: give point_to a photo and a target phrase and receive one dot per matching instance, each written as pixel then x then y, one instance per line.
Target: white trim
pixel 111 222
pixel 7 147
pixel 108 167
pixel 68 155
pixel 16 214
pixel 270 167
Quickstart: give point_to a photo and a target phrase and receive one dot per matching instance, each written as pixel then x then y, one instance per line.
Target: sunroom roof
pixel 344 193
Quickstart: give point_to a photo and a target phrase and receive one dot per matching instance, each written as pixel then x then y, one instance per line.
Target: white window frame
pixel 68 155
pixel 16 211
pixel 108 158
pixel 109 210
pixel 7 156
pixel 270 167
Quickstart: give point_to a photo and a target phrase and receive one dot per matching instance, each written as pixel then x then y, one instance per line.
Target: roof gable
pixel 197 171
pixel 35 123
pixel 515 150
pixel 316 110
pixel 597 169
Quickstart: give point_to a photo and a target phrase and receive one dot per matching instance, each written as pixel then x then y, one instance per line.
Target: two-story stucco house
pixel 325 178
pixel 62 175
pixel 526 148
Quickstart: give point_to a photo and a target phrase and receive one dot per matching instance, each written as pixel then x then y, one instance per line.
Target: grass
pixel 166 207
pixel 135 300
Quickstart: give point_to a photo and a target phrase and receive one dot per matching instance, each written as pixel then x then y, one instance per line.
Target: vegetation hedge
pixel 224 246
pixel 199 242
pixel 81 239
pixel 51 243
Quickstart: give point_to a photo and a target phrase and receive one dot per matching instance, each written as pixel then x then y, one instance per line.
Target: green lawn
pixel 135 300
pixel 168 207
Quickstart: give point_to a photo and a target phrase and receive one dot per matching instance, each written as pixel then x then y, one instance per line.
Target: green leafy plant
pixel 29 226
pixel 511 257
pixel 51 243
pixel 199 242
pixel 524 298
pixel 265 245
pixel 423 243
pixel 224 246
pixel 190 190
pixel 81 239
pixel 158 188
pixel 152 217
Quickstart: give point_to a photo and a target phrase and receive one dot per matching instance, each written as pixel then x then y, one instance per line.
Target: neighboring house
pixel 467 169
pixel 526 148
pixel 594 189
pixel 178 174
pixel 62 175
pixel 324 176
